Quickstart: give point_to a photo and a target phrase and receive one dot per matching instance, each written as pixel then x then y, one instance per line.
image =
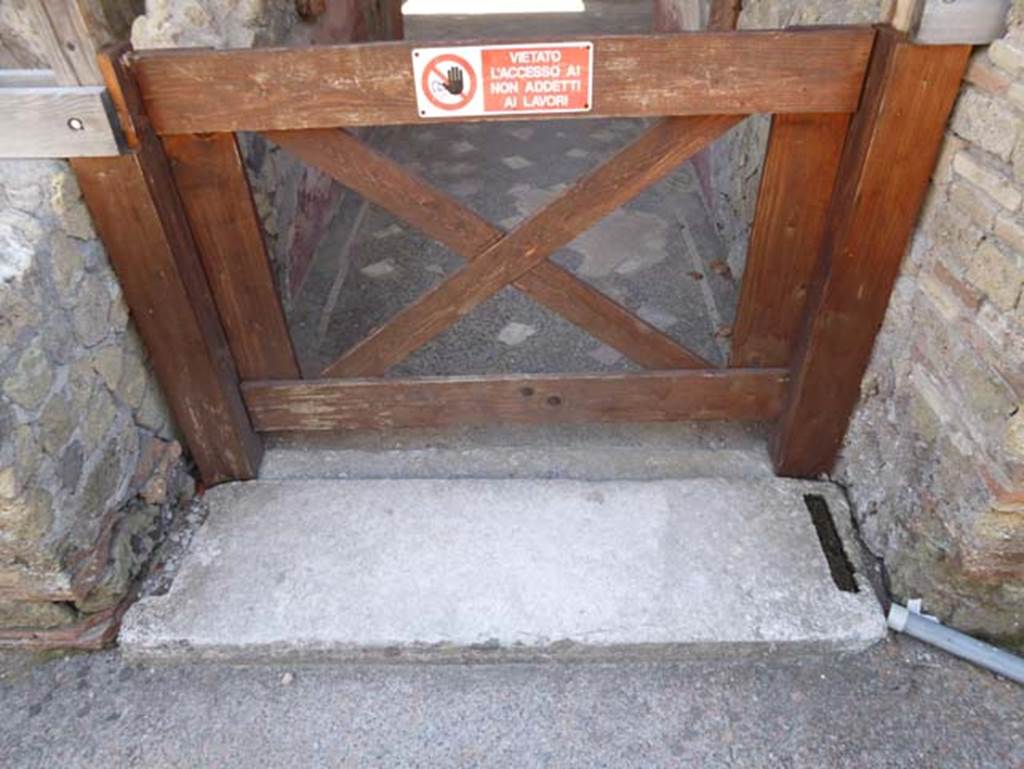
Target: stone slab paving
pixel 898 705
pixel 450 570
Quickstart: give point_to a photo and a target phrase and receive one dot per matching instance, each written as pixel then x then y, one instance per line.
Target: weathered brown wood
pixel 797 182
pixel 211 180
pixel 724 14
pixel 894 140
pixel 648 75
pixel 392 21
pixel 384 182
pixel 143 226
pixel 605 319
pixel 113 65
pixel 661 396
pixel 415 201
pixel 648 159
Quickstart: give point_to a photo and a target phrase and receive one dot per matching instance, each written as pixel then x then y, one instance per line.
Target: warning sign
pixel 496 80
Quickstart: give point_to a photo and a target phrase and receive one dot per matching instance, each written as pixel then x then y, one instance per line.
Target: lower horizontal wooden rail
pixel 661 396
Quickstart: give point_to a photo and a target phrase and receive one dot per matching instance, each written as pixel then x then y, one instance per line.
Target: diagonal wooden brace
pixel 385 183
pixel 642 163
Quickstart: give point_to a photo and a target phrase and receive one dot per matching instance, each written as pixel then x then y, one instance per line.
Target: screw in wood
pixel 75 124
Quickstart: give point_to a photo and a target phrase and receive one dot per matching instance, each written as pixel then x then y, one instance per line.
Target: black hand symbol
pixel 454 83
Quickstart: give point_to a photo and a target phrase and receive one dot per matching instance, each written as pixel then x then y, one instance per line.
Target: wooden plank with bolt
pixel 375 404
pixel 57 123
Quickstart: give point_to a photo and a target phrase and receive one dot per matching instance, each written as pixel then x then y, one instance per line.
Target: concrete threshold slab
pixel 634 452
pixel 504 570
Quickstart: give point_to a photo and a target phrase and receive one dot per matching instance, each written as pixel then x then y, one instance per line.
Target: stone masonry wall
pixel 89 464
pixel 83 427
pixel 88 459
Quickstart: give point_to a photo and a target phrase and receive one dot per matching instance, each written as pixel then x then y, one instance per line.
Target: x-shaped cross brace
pixel 519 257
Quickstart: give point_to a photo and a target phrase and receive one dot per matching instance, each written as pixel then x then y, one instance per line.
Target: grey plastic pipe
pixel 903 620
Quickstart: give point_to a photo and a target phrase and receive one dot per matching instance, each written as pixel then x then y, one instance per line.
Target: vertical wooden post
pixel 211 180
pixel 394 23
pixel 140 218
pixel 884 174
pixel 724 15
pixel 800 169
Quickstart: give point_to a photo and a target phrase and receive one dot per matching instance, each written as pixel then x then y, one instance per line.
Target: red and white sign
pixel 503 79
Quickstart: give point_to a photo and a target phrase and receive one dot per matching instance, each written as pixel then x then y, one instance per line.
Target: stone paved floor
pixel 659 255
pixel 899 705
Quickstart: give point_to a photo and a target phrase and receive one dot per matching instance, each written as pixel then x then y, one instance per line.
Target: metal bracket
pixel 962 21
pixel 949 22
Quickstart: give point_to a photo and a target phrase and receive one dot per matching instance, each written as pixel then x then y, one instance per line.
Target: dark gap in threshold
pixel 831 545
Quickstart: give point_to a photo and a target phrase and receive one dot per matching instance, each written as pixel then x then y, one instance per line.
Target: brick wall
pixel 934 460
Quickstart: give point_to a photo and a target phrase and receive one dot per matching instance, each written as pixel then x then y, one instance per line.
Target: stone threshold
pixel 505 570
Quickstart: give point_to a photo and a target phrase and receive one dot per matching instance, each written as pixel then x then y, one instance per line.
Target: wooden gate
pixel 859 115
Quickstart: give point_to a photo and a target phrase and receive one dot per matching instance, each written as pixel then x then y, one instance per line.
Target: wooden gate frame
pixel 859 115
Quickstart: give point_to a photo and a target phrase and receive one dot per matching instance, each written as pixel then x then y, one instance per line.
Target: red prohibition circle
pixel 432 67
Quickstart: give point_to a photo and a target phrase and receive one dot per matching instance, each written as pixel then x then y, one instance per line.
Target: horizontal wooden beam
pixel 61 122
pixel 811 70
pixel 661 396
